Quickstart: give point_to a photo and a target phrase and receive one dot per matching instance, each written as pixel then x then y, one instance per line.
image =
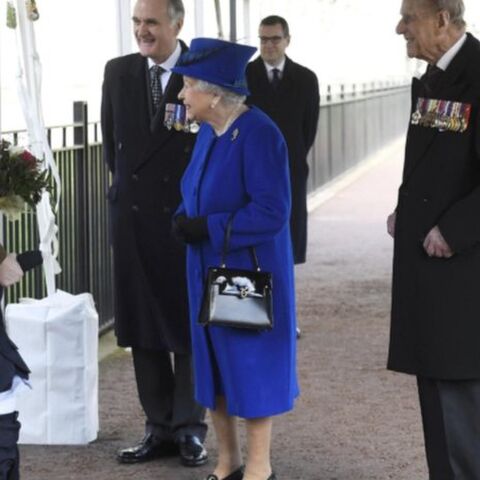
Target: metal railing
pixel 353 124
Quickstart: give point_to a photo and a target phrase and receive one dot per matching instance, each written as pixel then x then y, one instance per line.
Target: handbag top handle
pixel 226 242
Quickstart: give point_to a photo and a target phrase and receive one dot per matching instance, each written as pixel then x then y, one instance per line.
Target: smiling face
pixel 273 43
pixel 155 32
pixel 198 103
pixel 422 28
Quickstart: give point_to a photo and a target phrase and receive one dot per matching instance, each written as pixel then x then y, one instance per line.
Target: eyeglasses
pixel 275 40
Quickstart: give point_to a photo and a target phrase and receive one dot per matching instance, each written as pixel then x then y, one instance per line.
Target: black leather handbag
pixel 235 297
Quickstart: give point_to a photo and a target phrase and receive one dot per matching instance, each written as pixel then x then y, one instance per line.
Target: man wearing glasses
pixel 288 93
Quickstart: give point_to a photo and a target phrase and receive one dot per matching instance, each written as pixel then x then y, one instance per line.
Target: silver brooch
pixel 235 134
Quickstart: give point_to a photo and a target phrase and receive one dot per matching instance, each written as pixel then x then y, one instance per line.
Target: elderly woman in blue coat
pixel 239 169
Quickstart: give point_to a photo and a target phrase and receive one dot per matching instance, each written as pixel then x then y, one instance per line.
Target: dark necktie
pixel 431 77
pixel 275 78
pixel 156 85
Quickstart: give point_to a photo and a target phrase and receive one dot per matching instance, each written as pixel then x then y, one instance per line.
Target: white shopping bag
pixel 58 339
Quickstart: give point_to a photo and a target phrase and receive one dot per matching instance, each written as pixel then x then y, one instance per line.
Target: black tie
pixel 431 77
pixel 156 84
pixel 275 78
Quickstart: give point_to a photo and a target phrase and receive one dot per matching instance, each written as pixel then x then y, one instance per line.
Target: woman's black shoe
pixel 236 475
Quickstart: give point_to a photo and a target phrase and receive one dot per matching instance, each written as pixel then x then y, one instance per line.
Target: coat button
pixel 187 149
pixel 135 177
pixel 120 146
pixel 167 209
pixel 166 178
pixel 425 200
pixel 135 208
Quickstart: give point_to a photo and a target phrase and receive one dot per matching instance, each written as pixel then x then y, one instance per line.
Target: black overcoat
pixel 435 328
pixel 294 106
pixel 147 162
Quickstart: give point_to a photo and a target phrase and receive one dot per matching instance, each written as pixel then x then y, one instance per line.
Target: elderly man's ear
pixel 443 19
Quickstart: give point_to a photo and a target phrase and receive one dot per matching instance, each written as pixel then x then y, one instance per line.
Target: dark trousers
pixel 9 458
pixel 451 425
pixel 166 393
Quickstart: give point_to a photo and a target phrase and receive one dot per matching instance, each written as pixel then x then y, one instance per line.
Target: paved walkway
pixel 354 420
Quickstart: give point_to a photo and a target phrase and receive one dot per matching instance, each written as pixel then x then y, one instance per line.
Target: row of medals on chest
pixel 176 117
pixel 442 114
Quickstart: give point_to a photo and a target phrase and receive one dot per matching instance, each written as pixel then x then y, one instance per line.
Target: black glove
pixel 29 260
pixel 190 230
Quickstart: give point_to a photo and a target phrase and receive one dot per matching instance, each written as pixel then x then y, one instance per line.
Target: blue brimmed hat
pixel 217 61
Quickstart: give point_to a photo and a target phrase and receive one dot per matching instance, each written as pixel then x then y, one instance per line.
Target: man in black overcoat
pixel 147 161
pixel 12 370
pixel 288 93
pixel 435 327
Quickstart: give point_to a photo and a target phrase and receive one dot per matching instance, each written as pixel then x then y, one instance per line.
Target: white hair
pixel 176 10
pixel 455 8
pixel 227 96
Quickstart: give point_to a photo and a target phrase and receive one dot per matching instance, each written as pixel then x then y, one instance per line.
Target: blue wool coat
pixel 244 171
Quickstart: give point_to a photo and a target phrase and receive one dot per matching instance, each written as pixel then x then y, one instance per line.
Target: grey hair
pixel 455 8
pixel 176 10
pixel 227 96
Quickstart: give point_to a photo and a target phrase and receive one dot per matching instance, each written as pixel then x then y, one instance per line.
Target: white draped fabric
pixel 29 79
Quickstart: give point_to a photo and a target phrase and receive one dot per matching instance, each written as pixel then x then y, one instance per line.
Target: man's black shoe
pixel 192 451
pixel 149 448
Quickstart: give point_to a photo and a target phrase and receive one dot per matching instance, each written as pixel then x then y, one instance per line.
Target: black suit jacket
pixel 294 106
pixel 147 162
pixel 436 302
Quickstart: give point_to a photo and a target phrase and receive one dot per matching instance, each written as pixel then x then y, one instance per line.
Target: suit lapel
pixel 452 76
pixel 135 90
pixel 260 72
pixel 158 134
pixel 421 139
pixel 265 92
pixel 286 82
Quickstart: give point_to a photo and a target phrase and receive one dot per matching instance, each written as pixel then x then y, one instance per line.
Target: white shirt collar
pixel 171 61
pixel 280 66
pixel 449 55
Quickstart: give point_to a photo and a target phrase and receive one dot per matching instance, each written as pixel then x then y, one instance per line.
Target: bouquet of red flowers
pixel 22 180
